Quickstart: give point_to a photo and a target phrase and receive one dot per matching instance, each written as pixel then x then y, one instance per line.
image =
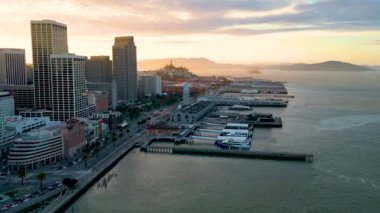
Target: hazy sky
pixel 235 31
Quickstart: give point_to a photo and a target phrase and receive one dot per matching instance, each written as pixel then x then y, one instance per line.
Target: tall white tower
pixel 48 37
pixel 68 86
pixel 186 94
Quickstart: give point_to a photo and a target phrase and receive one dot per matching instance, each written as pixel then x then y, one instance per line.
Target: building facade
pixel 23 95
pixel 7 104
pixel 192 113
pixel 99 69
pixel 110 88
pixel 99 99
pixel 35 149
pixel 125 69
pixel 149 85
pixel 69 98
pixel 12 67
pixel 48 37
pixel 74 137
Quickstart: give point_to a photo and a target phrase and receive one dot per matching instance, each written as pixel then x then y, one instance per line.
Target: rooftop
pixel 196 107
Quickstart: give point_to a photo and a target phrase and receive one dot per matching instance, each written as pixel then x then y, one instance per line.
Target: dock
pixel 303 157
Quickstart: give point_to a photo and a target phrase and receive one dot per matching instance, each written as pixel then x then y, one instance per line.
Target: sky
pixel 226 31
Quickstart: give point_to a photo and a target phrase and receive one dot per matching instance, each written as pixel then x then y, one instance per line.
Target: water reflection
pixel 104 182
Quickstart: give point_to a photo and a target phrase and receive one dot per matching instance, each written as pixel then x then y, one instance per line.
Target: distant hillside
pixel 171 72
pixel 199 66
pixel 324 66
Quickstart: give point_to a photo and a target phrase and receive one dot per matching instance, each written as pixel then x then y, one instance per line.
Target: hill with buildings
pixel 199 66
pixel 171 72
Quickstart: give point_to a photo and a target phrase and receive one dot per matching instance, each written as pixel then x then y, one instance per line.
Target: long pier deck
pixel 231 153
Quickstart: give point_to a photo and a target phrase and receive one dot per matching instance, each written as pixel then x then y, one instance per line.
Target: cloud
pixel 373 42
pixel 168 17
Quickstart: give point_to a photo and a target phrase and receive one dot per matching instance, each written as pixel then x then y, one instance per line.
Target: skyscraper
pixel 12 66
pixel 125 68
pixel 48 37
pixel 99 69
pixel 69 98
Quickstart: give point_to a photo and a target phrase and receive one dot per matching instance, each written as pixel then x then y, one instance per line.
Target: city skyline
pixel 250 31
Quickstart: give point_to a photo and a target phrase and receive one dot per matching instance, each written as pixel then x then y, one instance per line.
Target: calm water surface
pixel 335 116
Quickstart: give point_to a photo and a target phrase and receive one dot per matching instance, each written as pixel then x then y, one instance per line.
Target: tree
pixel 121 134
pixel 21 174
pixel 85 157
pixel 41 177
pixel 134 112
pixel 97 150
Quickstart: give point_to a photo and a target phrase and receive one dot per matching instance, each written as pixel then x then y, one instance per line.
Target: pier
pixel 230 153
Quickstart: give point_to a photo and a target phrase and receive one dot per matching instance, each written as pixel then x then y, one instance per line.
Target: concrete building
pixel 12 66
pixel 19 125
pixel 192 113
pixel 7 104
pixel 94 130
pixel 110 88
pixel 186 94
pixel 99 69
pixel 29 73
pixel 23 95
pixel 99 99
pixel 48 37
pixel 149 85
pixel 74 137
pixel 6 137
pixel 125 69
pixel 112 119
pixel 35 149
pixel 69 98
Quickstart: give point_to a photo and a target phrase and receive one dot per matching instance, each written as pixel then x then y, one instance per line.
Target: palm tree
pixel 21 174
pixel 85 157
pixel 41 176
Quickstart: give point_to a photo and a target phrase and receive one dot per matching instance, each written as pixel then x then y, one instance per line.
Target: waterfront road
pixel 94 172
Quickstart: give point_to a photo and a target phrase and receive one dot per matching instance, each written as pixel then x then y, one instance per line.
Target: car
pixel 59 167
pixel 50 188
pixel 14 205
pixel 26 200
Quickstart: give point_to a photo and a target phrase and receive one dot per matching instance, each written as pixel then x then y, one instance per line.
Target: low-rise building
pixel 192 113
pixel 109 87
pixel 113 118
pixel 19 125
pixel 99 99
pixel 35 149
pixel 74 137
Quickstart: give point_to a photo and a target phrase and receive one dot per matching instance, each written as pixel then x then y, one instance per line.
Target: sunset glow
pixel 228 31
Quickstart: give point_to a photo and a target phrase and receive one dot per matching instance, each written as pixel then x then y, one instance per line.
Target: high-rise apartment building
pixel 99 69
pixel 12 67
pixel 125 69
pixel 69 97
pixel 48 37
